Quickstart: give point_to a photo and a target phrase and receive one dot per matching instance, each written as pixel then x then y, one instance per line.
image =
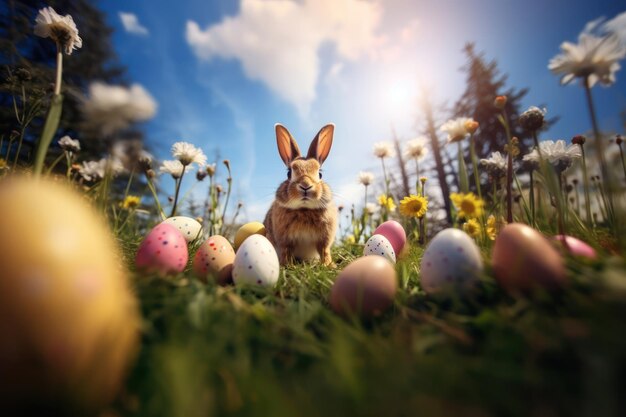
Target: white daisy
pixel 593 56
pixel 60 29
pixel 188 154
pixel 111 108
pixel 366 178
pixel 557 153
pixel 384 150
pixel 416 148
pixel 371 208
pixel 456 128
pixel 496 164
pixel 174 168
pixel 68 144
pixel 96 170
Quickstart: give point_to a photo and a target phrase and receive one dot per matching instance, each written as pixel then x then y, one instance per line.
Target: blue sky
pixel 224 72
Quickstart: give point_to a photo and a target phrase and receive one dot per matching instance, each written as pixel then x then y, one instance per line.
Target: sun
pixel 398 96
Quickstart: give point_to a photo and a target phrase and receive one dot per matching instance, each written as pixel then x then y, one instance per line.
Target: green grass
pixel 209 350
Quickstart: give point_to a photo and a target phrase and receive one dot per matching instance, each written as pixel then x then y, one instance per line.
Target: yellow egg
pixel 247 230
pixel 68 320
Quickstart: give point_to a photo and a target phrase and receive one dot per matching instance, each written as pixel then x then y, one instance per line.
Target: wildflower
pixel 423 180
pixel 496 164
pixel 93 170
pixel 60 29
pixel 3 164
pixel 226 163
pixel 414 206
pixel 579 140
pixel 210 169
pixel 188 154
pixel 500 102
pixel 593 57
pixel 371 208
pixel 491 229
pixel 532 119
pixel 174 168
pixel 468 205
pixel 366 178
pixel 201 175
pixel 69 145
pixel 456 129
pixel 110 108
pixel 130 202
pixel 416 148
pixel 383 150
pixel 559 154
pixel 219 189
pixel 350 240
pixel 471 126
pixel 387 202
pixel 619 140
pixel 472 227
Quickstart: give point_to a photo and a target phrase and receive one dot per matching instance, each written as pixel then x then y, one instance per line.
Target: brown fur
pixel 302 224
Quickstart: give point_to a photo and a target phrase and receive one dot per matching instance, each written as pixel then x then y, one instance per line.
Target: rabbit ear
pixel 287 146
pixel 320 147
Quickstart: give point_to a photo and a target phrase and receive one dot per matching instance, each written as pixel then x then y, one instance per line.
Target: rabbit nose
pixel 305 188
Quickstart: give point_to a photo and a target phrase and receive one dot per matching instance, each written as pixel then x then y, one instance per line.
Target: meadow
pixel 496 342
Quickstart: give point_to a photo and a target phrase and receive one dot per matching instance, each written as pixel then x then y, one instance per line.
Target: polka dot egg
pixel 188 227
pixel 164 251
pixel 256 262
pixel 214 259
pixel 451 262
pixel 379 245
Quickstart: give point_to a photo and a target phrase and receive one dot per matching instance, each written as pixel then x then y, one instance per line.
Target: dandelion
pixel 188 154
pixel 130 202
pixel 414 206
pixel 456 129
pixel 61 29
pixel 467 205
pixel 69 145
pixel 492 229
pixel 110 108
pixel 387 203
pixel 384 150
pixel 366 178
pixel 472 228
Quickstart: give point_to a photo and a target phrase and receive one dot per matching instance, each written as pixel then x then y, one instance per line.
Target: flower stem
pixel 586 186
pixel 178 184
pixel 57 84
pixel 463 181
pixel 475 167
pixel 532 198
pixel 621 155
pixel 509 188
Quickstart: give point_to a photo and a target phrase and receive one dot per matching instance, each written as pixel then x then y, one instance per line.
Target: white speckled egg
pixel 379 245
pixel 190 228
pixel 256 262
pixel 451 262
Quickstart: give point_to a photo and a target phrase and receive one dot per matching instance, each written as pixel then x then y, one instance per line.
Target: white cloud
pixel 132 25
pixel 277 41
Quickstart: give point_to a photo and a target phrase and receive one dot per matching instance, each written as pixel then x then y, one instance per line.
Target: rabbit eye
pixel 320 175
pixel 289 173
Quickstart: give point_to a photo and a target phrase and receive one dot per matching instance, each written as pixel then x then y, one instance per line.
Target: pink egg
pixel 164 251
pixel 576 246
pixel 394 232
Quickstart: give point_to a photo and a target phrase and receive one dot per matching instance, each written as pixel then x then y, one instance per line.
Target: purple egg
pixel 576 246
pixel 394 232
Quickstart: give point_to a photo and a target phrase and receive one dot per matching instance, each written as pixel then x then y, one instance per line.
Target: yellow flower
pixel 386 202
pixel 130 202
pixel 3 164
pixel 492 228
pixel 423 180
pixel 414 206
pixel 350 240
pixel 472 227
pixel 468 205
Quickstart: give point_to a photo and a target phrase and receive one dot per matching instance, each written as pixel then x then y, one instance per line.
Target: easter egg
pixel 451 263
pixel 379 245
pixel 575 246
pixel 163 250
pixel 214 259
pixel 188 227
pixel 394 232
pixel 69 324
pixel 524 260
pixel 366 287
pixel 256 262
pixel 247 230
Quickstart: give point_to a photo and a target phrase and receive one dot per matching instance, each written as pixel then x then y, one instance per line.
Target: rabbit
pixel 302 221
